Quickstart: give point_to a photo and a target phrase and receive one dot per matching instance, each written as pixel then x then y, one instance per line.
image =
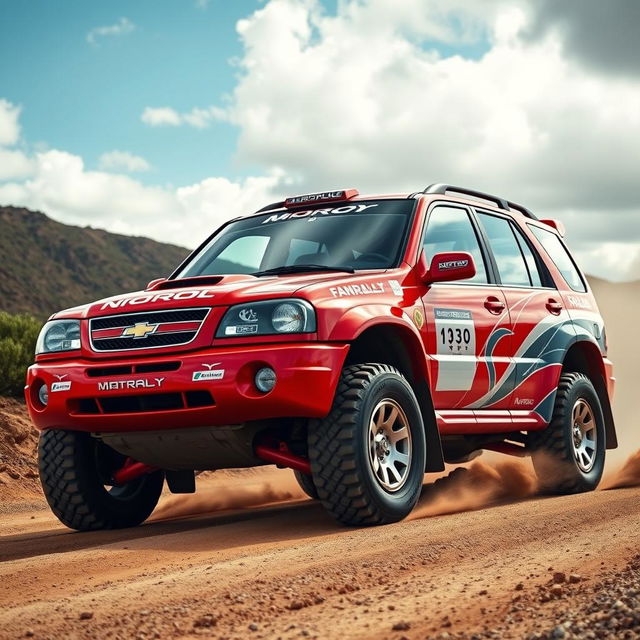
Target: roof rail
pixel 501 203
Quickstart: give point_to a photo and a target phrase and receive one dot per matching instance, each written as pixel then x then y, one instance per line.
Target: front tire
pixel 75 471
pixel 568 456
pixel 368 455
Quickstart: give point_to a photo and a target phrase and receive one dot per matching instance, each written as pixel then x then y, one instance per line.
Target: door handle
pixel 553 306
pixel 494 305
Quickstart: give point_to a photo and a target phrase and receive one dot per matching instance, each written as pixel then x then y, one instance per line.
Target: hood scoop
pixel 199 281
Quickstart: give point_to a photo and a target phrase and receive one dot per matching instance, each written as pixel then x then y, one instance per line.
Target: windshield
pixel 361 235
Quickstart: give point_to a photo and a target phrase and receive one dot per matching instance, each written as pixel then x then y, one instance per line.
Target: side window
pixel 450 229
pixel 245 255
pixel 560 256
pixel 506 250
pixel 530 259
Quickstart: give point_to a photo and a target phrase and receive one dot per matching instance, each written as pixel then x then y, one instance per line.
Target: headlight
pixel 59 335
pixel 271 317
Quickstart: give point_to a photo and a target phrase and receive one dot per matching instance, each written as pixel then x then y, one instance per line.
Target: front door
pixel 466 332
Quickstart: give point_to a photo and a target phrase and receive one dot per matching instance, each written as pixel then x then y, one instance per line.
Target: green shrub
pixel 18 336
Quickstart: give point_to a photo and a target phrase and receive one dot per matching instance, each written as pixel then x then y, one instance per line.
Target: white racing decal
pixel 60 386
pixel 158 297
pixel 362 289
pixel 452 264
pixel 117 385
pixel 239 330
pixel 580 303
pixel 456 349
pixel 396 287
pixel 209 374
pixel 311 213
pixel 456 332
pixel 248 315
pixel 527 402
pixel 214 374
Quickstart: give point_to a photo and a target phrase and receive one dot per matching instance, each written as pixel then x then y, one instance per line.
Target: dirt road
pixel 287 571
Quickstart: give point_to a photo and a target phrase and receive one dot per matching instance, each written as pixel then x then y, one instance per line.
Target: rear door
pixel 467 323
pixel 537 316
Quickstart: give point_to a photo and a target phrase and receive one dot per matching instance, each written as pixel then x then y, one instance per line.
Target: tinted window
pixel 512 267
pixel 560 256
pixel 243 254
pixel 532 263
pixel 361 235
pixel 450 229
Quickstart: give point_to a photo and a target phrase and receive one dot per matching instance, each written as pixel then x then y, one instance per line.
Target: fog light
pixel 43 394
pixel 265 379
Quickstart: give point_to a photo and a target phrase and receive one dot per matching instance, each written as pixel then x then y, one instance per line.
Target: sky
pixel 164 118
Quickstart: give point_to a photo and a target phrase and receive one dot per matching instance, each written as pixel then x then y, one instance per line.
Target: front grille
pixel 141 403
pixel 146 330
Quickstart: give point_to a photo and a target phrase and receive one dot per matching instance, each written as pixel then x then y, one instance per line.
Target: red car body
pixel 503 384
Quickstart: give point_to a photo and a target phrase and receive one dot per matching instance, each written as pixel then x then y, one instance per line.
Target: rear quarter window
pixel 560 257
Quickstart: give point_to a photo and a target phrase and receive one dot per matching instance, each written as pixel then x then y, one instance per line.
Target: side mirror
pixel 154 283
pixel 449 267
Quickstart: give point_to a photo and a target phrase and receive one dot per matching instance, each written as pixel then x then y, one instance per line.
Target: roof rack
pixel 501 203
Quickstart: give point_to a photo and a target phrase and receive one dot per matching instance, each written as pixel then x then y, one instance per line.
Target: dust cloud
pixel 628 475
pixel 479 485
pixel 223 491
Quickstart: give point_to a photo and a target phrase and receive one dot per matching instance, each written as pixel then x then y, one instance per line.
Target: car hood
pixel 222 291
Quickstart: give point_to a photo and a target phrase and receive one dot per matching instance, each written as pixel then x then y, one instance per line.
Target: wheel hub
pixel 389 445
pixel 383 447
pixel 584 435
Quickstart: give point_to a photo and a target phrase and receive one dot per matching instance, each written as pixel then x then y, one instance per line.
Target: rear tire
pixel 75 471
pixel 306 484
pixel 568 456
pixel 368 455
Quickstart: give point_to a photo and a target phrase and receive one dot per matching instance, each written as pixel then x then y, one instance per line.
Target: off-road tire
pixel 306 484
pixel 76 492
pixel 338 448
pixel 552 449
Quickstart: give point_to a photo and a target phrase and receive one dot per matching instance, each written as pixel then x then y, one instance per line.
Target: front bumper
pixel 142 394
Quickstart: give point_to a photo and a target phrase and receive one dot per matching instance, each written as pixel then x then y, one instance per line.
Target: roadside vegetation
pixel 18 334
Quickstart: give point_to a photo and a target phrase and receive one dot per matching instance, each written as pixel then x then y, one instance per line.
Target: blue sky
pixel 165 118
pixel 88 98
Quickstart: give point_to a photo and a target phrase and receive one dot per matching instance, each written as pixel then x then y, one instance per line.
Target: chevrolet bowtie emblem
pixel 139 330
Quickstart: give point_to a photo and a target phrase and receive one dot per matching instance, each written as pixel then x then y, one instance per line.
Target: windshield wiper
pixel 301 268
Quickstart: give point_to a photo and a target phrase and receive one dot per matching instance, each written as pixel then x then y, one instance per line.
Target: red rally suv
pixel 361 341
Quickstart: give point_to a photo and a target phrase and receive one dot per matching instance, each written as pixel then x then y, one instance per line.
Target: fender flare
pixel 357 320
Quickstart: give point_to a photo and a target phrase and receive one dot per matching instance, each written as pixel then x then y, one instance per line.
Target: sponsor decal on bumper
pixel 213 374
pixel 61 386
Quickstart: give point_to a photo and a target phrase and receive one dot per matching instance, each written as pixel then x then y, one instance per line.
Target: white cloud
pixel 161 116
pixel 9 125
pixel 122 160
pixel 364 98
pixel 14 164
pixel 62 187
pixel 198 117
pixel 202 4
pixel 120 28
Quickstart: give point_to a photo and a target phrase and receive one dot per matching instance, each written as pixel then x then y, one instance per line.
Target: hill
pixel 47 266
